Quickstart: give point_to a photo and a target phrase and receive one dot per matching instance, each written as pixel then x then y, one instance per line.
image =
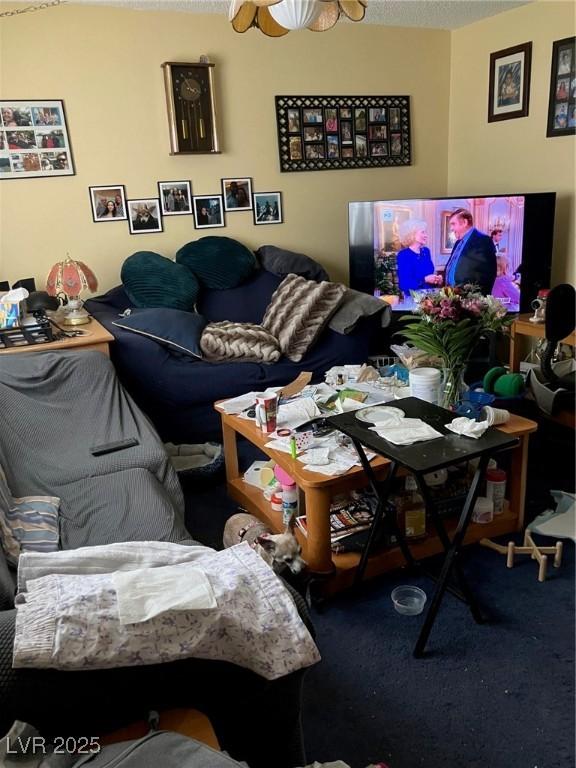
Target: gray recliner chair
pixel 53 407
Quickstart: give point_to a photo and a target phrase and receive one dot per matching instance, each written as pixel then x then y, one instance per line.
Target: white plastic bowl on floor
pixel 408 600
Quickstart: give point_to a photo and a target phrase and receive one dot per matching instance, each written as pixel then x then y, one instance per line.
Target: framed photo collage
pixel 317 133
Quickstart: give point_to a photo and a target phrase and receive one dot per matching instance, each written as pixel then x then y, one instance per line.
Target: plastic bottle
pixel 413 510
pixel 496 488
pixel 289 502
pixel 289 494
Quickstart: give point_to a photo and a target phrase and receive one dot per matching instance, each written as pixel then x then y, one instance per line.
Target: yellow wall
pixel 513 155
pixel 105 64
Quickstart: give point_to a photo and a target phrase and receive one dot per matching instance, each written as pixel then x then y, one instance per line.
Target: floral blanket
pixel 71 620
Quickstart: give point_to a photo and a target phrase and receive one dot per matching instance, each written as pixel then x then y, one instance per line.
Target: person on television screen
pixel 496 236
pixel 415 267
pixel 473 257
pixel 504 285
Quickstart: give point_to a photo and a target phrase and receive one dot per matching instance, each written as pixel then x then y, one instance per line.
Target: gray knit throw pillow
pixel 239 342
pixel 298 311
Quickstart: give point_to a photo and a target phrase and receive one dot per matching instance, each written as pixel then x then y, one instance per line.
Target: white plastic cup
pixel 495 416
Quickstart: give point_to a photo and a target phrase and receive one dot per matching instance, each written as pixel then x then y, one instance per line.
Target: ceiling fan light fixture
pixel 296 14
pixel 276 18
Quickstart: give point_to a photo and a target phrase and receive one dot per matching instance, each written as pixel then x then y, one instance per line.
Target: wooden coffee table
pixel 316 492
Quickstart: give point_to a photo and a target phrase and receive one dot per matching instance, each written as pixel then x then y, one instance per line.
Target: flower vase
pixel 453 386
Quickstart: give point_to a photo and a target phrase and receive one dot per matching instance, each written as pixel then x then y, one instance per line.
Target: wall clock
pixel 191 110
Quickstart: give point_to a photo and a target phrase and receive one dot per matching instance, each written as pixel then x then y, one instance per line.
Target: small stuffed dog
pixel 279 550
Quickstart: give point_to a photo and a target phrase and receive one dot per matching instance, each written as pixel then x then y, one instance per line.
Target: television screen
pixel 398 246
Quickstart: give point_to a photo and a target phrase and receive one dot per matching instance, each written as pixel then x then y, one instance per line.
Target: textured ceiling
pixel 438 14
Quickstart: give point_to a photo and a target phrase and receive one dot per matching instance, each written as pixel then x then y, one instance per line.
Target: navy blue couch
pixel 177 392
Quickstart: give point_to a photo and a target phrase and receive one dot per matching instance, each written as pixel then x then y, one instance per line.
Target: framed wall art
pixel 237 194
pixel 191 108
pixel 208 211
pixel 108 203
pixel 144 216
pixel 175 198
pixel 34 140
pixel 268 208
pixel 562 101
pixel 319 133
pixel 509 88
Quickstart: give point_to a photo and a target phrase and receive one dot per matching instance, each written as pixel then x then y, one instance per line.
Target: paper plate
pixel 380 413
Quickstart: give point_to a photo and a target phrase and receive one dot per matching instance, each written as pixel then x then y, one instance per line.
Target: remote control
pixel 118 445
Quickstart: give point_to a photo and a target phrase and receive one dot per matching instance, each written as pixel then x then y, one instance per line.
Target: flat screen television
pixel 521 226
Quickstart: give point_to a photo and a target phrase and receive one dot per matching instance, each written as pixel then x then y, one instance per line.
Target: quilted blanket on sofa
pixel 69 616
pixel 54 407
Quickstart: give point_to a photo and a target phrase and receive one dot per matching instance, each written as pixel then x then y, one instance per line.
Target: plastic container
pixel 496 488
pixel 289 503
pixel 289 495
pixel 276 501
pixel 408 600
pixel 483 510
pixel 425 384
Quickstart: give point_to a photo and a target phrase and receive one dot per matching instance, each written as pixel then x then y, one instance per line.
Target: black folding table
pixel 422 458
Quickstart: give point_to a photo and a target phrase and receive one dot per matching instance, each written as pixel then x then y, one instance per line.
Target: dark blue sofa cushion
pixel 218 262
pixel 177 330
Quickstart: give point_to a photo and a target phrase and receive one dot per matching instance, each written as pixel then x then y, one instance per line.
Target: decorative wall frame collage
pixel 562 100
pixel 175 198
pixel 320 133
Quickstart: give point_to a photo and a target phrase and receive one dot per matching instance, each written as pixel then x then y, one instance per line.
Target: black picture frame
pixel 34 139
pixel 191 107
pixel 268 208
pixel 100 197
pixel 562 99
pixel 148 224
pixel 237 193
pixel 509 83
pixel 322 133
pixel 208 211
pixel 175 198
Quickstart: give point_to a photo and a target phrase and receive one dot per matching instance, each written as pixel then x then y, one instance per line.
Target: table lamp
pixel 70 278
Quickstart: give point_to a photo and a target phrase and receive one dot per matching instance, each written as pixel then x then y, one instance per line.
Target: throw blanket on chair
pixel 54 406
pixel 69 616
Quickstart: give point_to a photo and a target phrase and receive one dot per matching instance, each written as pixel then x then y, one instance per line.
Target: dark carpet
pixel 498 695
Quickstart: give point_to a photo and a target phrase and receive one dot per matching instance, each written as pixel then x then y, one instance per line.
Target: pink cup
pixel 266 412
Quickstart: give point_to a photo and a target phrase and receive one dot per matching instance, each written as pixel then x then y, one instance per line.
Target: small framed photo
pixel 267 208
pixel 295 148
pixel 108 203
pixel 175 198
pixel 509 89
pixel 562 100
pixel 144 216
pixel 294 120
pixel 237 194
pixel 208 211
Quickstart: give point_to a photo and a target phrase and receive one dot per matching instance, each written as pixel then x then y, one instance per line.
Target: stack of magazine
pixel 349 515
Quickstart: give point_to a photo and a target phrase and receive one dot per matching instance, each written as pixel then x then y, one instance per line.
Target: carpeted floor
pixel 499 695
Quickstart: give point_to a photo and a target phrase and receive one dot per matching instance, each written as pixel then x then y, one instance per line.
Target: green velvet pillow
pixel 151 280
pixel 218 262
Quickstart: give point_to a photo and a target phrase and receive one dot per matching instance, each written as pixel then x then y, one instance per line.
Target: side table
pixel 521 328
pixel 420 459
pixel 94 336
